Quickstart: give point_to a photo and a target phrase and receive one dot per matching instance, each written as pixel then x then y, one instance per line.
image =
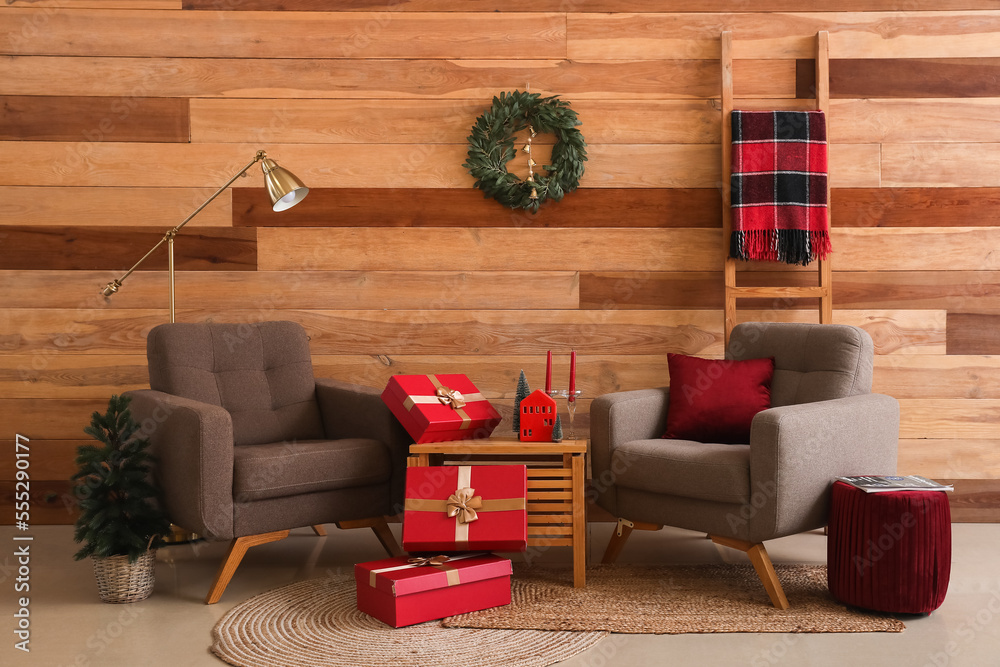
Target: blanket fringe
pixel 791 246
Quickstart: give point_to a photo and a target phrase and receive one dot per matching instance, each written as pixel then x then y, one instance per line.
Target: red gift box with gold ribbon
pixel 436 408
pixel 466 508
pixel 404 591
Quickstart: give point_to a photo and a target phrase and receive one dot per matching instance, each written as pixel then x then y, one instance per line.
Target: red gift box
pixel 464 508
pixel 436 408
pixel 401 591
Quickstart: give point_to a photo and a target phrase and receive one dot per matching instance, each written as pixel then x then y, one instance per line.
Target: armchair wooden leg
pixel 381 530
pixel 319 530
pixel 620 536
pixel 762 564
pixel 237 549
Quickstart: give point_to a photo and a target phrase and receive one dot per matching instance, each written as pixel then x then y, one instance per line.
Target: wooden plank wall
pixel 120 116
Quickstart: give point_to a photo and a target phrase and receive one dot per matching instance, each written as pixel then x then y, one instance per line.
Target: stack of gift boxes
pixel 453 515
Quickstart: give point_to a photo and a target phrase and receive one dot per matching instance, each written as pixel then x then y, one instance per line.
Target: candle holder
pixel 571 400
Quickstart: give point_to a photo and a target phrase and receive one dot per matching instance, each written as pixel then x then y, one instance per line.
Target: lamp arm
pixel 113 286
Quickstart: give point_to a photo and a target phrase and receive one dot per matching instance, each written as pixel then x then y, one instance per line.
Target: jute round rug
pixel 316 623
pixel 673 600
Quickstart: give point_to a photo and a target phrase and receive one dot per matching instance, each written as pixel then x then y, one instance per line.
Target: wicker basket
pixel 119 581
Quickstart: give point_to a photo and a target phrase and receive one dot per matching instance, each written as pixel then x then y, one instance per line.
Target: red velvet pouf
pixel 889 551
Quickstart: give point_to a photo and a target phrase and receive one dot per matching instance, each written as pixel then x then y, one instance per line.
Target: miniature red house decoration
pixel 538 417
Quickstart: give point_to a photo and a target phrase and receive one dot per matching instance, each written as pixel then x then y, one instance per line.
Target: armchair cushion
pixel 260 373
pixel 812 362
pixel 292 468
pixel 706 471
pixel 715 400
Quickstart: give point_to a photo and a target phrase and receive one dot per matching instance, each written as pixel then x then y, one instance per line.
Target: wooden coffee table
pixel 557 508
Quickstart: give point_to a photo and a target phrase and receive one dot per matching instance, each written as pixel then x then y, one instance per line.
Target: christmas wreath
pixel 491 147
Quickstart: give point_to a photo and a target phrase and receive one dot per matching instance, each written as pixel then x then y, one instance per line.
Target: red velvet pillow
pixel 714 400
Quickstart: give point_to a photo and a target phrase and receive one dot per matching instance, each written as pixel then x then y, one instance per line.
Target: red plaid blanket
pixel 779 186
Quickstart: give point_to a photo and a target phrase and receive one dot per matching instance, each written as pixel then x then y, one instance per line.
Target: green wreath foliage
pixel 491 147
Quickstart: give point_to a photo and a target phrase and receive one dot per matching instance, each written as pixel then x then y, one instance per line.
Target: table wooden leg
pixel 579 523
pixel 418 460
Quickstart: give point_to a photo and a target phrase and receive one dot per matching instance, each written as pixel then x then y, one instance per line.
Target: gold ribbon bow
pixel 428 560
pixel 450 397
pixel 463 504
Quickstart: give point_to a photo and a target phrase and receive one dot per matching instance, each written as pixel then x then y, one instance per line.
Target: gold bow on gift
pixel 463 504
pixel 450 397
pixel 428 560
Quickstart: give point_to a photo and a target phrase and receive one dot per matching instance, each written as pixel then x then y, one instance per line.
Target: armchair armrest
pixel 617 418
pixel 193 445
pixel 357 411
pixel 796 451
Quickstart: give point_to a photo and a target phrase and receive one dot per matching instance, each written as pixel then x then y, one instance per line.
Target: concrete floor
pixel 70 626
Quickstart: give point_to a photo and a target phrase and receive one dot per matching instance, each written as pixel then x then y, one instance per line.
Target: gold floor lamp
pixel 284 188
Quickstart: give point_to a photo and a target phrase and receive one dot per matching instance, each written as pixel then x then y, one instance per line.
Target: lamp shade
pixel 284 188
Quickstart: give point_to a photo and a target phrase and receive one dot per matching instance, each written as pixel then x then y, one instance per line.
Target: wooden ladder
pixel 824 291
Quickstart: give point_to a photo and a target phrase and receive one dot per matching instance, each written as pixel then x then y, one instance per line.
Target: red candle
pixel 548 373
pixel 572 375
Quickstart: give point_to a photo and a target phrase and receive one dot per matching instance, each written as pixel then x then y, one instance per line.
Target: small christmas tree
pixel 557 434
pixel 118 512
pixel 522 392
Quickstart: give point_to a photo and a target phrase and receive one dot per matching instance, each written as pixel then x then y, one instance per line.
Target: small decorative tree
pixel 522 392
pixel 557 434
pixel 118 513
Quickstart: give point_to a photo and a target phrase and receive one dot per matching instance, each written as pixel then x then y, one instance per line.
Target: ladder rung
pixel 788 292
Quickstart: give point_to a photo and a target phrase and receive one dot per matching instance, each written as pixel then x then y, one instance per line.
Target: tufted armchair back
pixel 812 362
pixel 260 373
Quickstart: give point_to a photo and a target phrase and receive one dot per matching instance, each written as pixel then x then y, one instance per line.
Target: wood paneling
pixel 364 166
pixel 47 118
pixel 578 5
pixel 949 418
pixel 224 34
pixel 858 35
pixel 439 121
pixel 967 249
pixel 937 376
pixel 421 332
pixel 100 4
pixel 428 166
pixel 974 500
pixel 376 78
pixel 651 289
pixel 941 165
pixel 46 332
pixel 934 290
pixel 954 249
pixel 950 459
pixel 916 207
pixel 459 332
pixel 114 248
pixel 904 77
pixel 908 121
pixel 893 332
pixel 973 333
pixel 52 502
pixel 50 459
pixel 53 419
pixel 160 208
pixel 269 292
pixel 453 207
pixel 374 249
pixel 43 376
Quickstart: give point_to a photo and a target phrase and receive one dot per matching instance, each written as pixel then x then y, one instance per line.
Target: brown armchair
pixel 824 423
pixel 250 445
